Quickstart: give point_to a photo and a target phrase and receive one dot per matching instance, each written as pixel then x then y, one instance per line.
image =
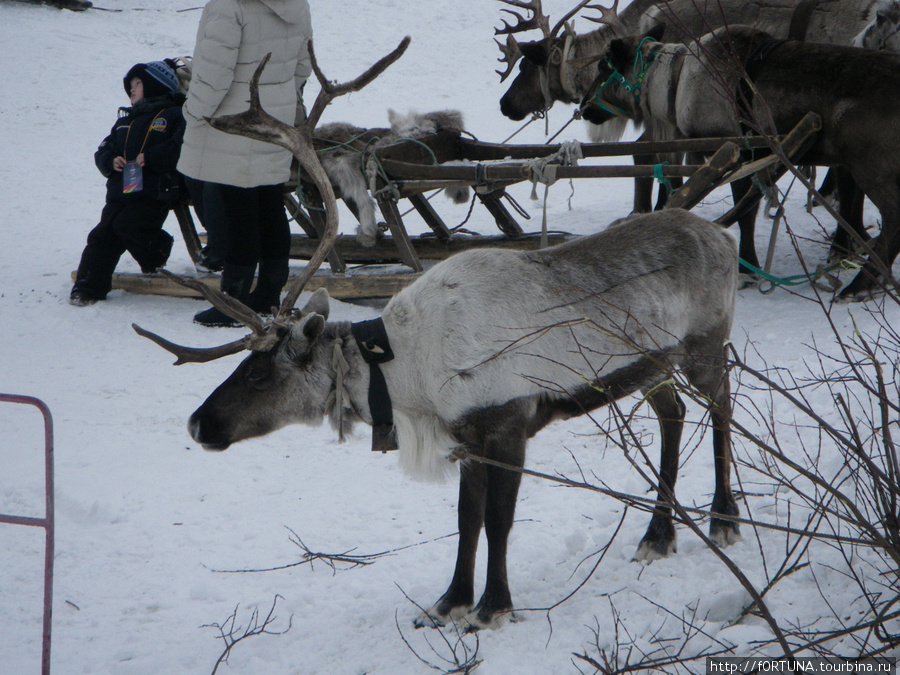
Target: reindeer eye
pixel 258 377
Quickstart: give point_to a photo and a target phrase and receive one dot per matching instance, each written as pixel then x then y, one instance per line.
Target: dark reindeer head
pixel 286 349
pixel 287 384
pixel 616 91
pixel 543 76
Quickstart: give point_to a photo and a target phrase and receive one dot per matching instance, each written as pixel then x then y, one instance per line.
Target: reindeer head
pixel 285 357
pixel 543 74
pixel 287 384
pixel 616 91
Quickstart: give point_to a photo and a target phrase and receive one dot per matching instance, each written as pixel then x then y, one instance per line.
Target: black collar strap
pixel 372 339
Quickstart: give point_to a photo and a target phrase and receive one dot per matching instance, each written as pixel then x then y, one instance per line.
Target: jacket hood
pixel 290 11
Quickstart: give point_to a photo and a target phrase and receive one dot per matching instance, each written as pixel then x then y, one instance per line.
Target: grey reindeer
pixel 701 91
pixel 485 349
pixel 561 66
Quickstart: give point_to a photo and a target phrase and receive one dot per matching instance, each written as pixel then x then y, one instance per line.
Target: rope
pixel 660 178
pixel 831 284
pixel 544 170
pixel 340 397
pixel 536 116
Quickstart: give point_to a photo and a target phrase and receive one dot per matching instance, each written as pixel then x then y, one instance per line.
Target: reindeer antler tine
pixel 537 20
pixel 608 16
pixel 258 124
pixel 229 306
pixel 194 354
pixel 309 160
pixel 331 90
pixel 568 16
pixel 511 55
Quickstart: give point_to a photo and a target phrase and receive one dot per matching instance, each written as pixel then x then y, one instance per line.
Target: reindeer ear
pixel 656 33
pixel 303 334
pixel 536 52
pixel 317 304
pixel 619 54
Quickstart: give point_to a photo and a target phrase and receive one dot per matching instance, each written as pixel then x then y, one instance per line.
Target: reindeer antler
pixel 537 19
pixel 609 16
pixel 258 124
pixel 511 52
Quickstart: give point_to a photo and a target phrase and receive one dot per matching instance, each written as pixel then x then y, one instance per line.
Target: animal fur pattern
pixel 492 345
pixel 692 92
pixel 346 149
pixel 884 30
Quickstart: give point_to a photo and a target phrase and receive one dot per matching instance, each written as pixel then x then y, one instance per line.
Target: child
pixel 144 144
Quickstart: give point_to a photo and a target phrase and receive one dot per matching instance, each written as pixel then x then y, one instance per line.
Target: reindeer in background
pixel 739 76
pixel 545 77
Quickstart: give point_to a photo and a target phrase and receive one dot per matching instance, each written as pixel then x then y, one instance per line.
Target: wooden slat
pixel 339 286
pixel 430 216
pixel 398 232
pixel 502 216
pixel 188 229
pixel 795 144
pixel 706 179
pixel 427 248
pixel 477 151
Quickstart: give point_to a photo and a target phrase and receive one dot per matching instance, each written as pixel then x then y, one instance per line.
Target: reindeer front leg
pixel 495 606
pixel 460 595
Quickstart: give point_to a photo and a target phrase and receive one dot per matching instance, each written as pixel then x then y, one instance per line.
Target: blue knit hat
pixel 157 77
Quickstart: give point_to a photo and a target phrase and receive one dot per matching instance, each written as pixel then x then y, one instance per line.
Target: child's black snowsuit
pixel 133 222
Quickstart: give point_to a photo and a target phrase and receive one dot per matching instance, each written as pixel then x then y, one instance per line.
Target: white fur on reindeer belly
pixel 486 327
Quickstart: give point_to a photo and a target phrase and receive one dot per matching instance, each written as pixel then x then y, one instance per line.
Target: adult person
pixel 141 148
pixel 246 176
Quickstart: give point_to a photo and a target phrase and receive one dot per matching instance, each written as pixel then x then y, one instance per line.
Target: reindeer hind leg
pixel 660 541
pixel 708 375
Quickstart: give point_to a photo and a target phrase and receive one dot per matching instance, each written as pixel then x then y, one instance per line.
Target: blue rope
pixel 660 178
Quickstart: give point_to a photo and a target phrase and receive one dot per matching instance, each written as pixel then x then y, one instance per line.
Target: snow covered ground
pixel 147 519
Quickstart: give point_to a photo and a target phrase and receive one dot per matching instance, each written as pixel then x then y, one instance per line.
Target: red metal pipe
pixel 47 522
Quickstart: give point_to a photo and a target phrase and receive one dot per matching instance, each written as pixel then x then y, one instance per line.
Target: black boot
pixel 236 282
pixel 273 275
pixel 158 254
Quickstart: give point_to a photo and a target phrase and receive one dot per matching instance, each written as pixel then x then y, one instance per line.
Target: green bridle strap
pixel 641 65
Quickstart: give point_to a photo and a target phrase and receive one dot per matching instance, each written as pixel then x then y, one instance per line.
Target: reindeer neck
pixel 584 46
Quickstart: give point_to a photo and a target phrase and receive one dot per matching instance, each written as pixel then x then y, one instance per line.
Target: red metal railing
pixel 46 522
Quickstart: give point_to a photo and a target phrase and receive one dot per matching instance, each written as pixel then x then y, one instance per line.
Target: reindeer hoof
pixel 857 292
pixel 649 550
pixel 442 614
pixel 724 533
pixel 476 621
pixel 365 237
pixel 747 280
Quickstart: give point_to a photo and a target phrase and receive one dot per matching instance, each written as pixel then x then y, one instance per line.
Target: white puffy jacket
pixel 233 37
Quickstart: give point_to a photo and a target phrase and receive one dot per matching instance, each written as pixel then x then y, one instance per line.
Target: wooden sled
pixel 410 169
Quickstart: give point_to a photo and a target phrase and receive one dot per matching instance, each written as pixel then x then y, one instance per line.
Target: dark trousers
pixel 210 210
pixel 134 226
pixel 256 223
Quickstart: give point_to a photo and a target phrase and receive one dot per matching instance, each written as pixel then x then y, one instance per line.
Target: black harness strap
pixel 372 340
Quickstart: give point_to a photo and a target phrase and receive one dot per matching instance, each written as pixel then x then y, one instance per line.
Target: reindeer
pixel 344 150
pixel 485 349
pixel 545 76
pixel 699 91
